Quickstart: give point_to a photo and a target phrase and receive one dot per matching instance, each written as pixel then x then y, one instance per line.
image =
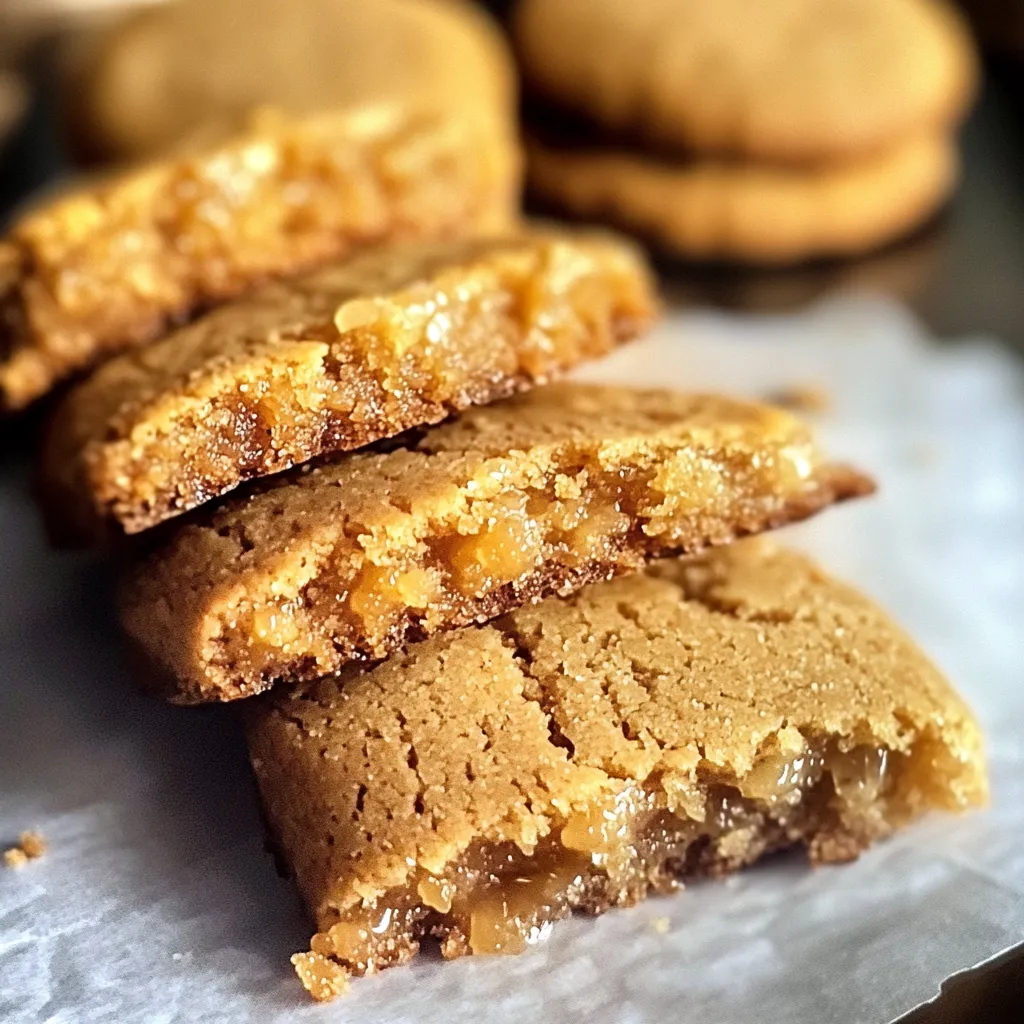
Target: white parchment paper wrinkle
pixel 157 903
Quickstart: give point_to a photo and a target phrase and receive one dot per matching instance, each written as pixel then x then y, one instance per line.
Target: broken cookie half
pixel 397 337
pixel 114 263
pixel 581 753
pixel 542 494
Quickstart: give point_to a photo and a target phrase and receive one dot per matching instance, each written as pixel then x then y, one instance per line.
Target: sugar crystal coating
pixel 113 264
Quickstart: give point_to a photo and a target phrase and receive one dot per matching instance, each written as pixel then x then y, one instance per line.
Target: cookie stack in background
pixel 757 132
pixel 518 658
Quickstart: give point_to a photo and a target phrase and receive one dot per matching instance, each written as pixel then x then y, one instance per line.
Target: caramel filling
pixel 447 571
pixel 500 899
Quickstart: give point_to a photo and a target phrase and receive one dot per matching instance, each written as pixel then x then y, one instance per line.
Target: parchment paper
pixel 157 903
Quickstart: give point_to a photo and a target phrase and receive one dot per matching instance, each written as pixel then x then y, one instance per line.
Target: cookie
pixel 705 209
pixel 192 71
pixel 796 81
pixel 396 337
pixel 578 754
pixel 506 504
pixel 114 264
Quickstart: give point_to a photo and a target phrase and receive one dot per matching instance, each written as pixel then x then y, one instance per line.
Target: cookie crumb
pixel 31 846
pixel 802 398
pixel 15 857
pixel 322 978
pixel 660 925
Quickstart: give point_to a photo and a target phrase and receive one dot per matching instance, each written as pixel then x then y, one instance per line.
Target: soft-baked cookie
pixel 578 754
pixel 191 71
pixel 506 504
pixel 707 209
pixel 787 81
pixel 112 265
pixel 395 337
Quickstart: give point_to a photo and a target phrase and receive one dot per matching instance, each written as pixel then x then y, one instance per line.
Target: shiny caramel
pixel 113 264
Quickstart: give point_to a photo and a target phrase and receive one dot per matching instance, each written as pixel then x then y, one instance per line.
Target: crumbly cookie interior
pixel 832 798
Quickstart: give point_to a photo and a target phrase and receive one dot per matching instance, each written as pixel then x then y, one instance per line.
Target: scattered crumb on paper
pixel 322 978
pixel 660 925
pixel 31 846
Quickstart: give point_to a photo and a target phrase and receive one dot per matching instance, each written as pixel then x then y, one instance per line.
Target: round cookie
pixel 758 213
pixel 791 81
pixel 192 72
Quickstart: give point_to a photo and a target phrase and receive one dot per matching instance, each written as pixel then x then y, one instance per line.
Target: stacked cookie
pixel 232 192
pixel 744 130
pixel 518 659
pixel 489 704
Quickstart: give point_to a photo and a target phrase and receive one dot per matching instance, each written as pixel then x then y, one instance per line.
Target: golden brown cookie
pixel 705 209
pixel 578 754
pixel 112 265
pixel 191 72
pixel 791 80
pixel 504 505
pixel 396 337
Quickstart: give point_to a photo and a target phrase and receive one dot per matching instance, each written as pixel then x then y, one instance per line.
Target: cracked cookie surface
pixel 576 754
pixel 396 337
pixel 507 503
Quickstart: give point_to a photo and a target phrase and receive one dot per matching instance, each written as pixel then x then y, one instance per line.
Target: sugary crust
pixel 669 680
pixel 709 210
pixel 114 264
pixel 650 473
pixel 394 338
pixel 802 81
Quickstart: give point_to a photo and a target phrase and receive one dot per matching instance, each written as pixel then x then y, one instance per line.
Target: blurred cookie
pixel 192 72
pixel 792 80
pixel 707 209
pixel 115 263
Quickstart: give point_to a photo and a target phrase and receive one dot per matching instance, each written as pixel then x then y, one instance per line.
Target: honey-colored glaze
pixel 501 900
pixel 113 264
